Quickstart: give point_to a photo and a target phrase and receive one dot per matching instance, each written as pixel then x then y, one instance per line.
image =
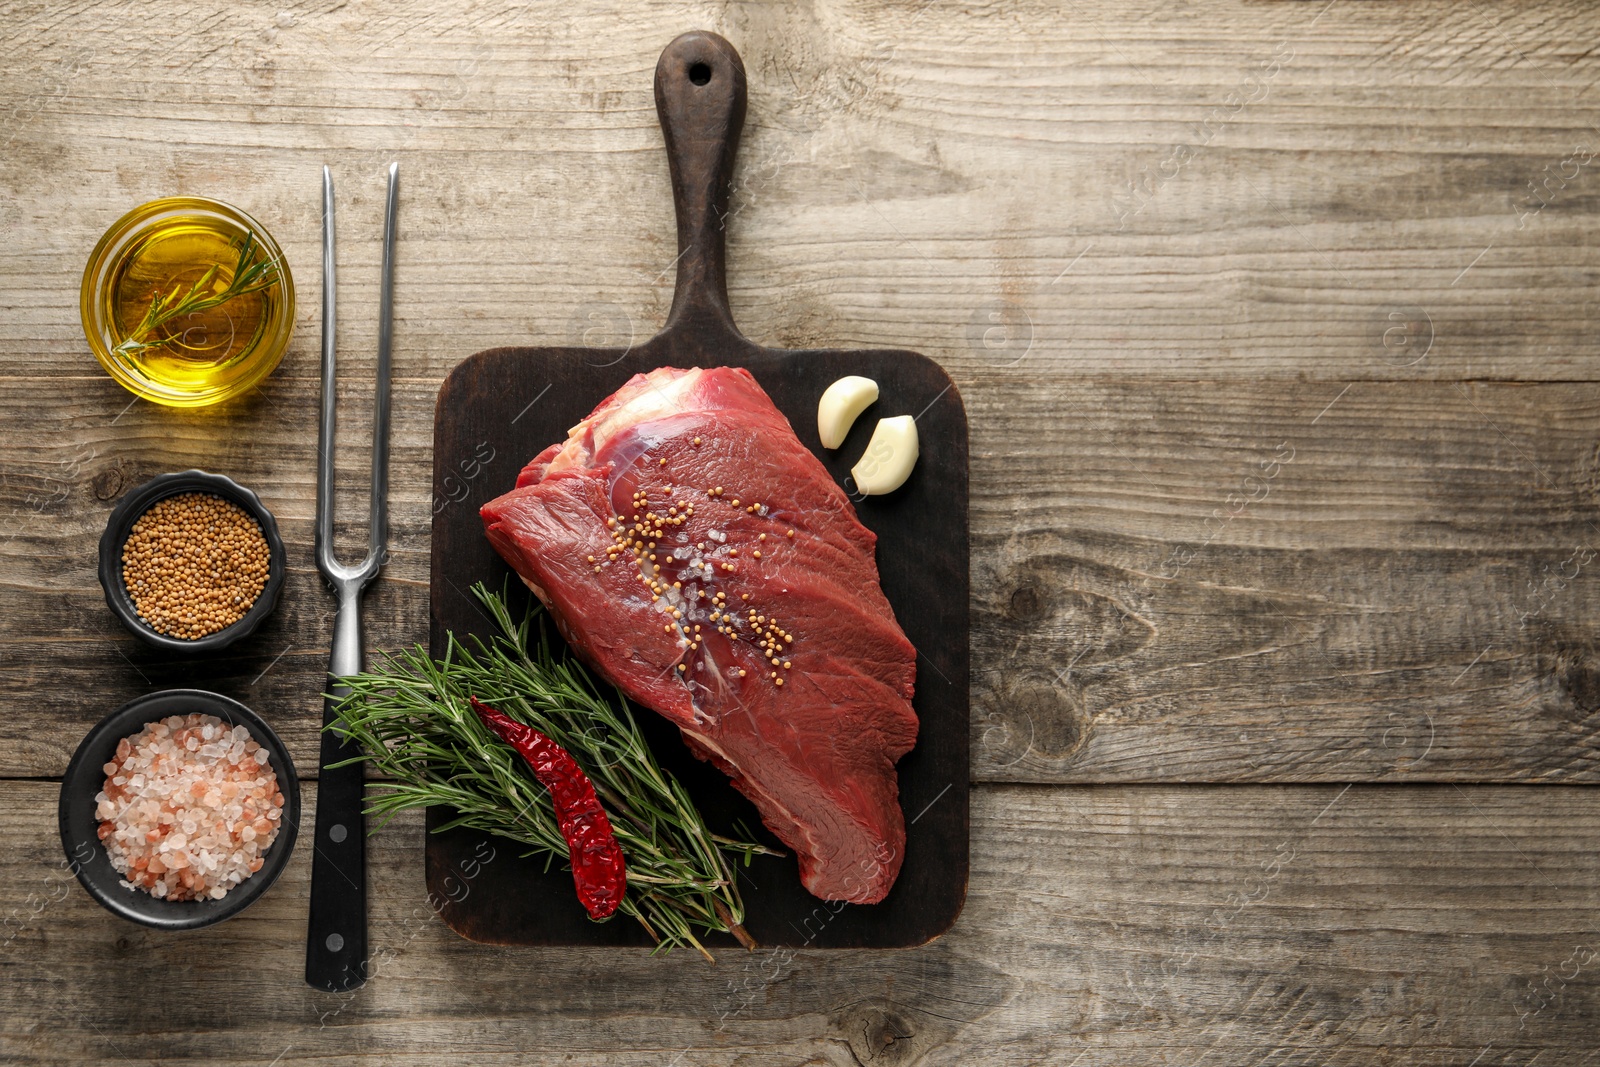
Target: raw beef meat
pixel 696 554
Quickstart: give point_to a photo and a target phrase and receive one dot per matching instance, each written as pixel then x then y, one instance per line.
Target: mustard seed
pixel 194 564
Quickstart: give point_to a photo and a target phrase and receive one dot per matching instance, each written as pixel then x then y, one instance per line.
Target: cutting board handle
pixel 700 96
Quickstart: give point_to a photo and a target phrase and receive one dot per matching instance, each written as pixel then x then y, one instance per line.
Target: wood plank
pixel 70 660
pixel 516 401
pixel 1218 581
pixel 1261 924
pixel 1404 577
pixel 1150 243
pixel 1252 190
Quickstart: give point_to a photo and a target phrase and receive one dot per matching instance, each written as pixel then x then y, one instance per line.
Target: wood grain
pixel 1284 925
pixel 1252 189
pixel 1406 577
pixel 512 401
pixel 1151 243
pixel 516 401
pixel 1385 581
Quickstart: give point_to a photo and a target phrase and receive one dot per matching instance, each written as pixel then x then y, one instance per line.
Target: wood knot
pixel 1574 680
pixel 880 1037
pixel 1027 603
pixel 1582 683
pixel 107 485
pixel 1034 716
pixel 1041 611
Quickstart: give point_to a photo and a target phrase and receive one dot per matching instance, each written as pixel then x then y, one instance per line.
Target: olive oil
pixel 188 302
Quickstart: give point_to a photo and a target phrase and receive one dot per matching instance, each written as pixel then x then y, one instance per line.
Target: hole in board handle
pixel 699 73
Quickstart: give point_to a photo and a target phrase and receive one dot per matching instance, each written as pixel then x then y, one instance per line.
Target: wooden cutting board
pixel 502 406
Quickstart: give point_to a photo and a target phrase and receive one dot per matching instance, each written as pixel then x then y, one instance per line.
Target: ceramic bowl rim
pixel 139 500
pixel 86 855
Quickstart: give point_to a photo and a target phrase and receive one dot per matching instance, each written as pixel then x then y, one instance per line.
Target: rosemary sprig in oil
pixel 249 276
pixel 412 718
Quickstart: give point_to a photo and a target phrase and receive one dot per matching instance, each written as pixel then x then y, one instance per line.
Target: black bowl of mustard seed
pixel 191 561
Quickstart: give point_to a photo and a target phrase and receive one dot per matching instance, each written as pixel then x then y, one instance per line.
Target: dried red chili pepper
pixel 598 869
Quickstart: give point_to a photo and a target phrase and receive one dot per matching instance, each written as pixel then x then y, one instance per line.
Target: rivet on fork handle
pixel 336 938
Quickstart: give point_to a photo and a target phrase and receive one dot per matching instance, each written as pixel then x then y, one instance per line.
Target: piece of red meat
pixel 693 552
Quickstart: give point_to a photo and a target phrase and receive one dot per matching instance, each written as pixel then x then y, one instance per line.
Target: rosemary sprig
pixel 412 718
pixel 248 277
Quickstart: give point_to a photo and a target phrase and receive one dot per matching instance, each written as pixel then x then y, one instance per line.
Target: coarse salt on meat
pixel 696 554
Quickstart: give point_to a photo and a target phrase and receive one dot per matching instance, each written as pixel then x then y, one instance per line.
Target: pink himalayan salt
pixel 190 807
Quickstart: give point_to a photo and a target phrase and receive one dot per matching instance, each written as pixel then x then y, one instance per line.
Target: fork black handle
pixel 336 934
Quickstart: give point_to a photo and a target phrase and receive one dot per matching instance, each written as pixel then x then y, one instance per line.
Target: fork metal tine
pixel 378 512
pixel 336 923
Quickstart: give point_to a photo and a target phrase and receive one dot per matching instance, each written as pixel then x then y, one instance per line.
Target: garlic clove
pixel 890 455
pixel 841 403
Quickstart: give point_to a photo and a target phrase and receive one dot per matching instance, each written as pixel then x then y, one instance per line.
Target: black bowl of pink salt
pixel 179 809
pixel 191 562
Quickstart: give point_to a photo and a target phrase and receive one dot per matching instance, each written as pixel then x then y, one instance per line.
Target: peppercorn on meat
pixel 696 554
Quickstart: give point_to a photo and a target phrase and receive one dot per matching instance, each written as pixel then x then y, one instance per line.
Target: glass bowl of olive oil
pixel 187 301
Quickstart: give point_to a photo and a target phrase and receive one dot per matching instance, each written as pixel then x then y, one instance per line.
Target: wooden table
pixel 1275 330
